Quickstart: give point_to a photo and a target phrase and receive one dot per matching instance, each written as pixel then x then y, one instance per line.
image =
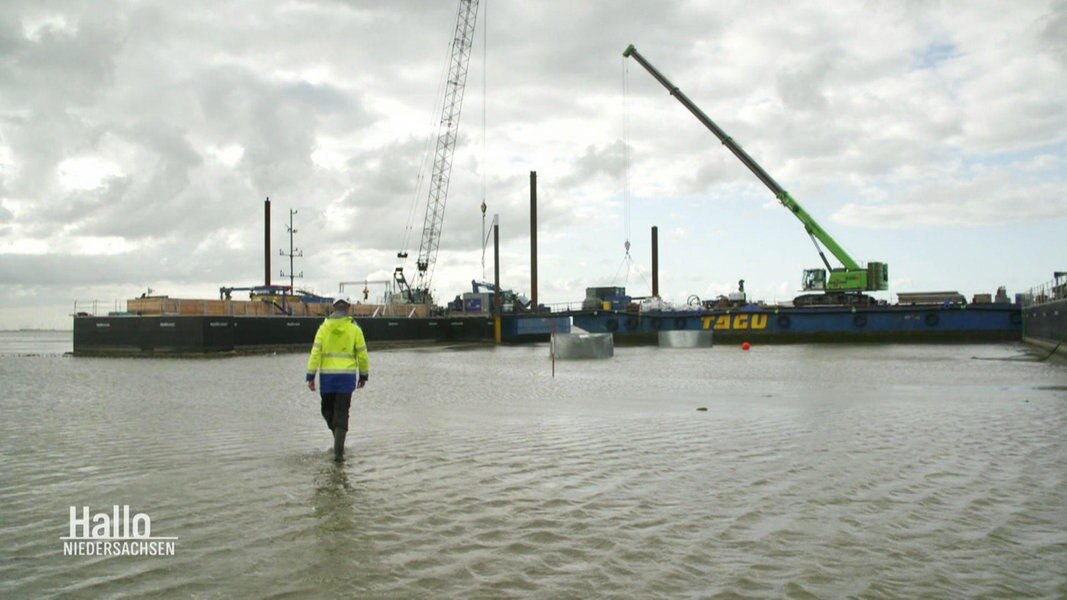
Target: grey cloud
pixel 59 67
pixel 607 161
pixel 1054 33
pixel 993 198
pixel 168 262
pixel 801 88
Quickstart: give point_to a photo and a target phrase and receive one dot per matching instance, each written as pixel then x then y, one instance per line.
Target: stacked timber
pixel 164 305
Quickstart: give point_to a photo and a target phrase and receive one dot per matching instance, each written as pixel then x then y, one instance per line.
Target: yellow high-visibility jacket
pixel 338 355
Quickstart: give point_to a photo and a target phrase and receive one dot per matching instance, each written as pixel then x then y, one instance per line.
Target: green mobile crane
pixel 846 283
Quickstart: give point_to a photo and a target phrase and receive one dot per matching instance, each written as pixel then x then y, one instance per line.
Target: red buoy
pixel 745 346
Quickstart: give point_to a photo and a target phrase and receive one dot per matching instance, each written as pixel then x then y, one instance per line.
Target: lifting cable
pixel 627 260
pixel 626 152
pixel 485 154
pixel 425 161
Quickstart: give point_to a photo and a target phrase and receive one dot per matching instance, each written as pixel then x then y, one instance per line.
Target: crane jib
pixel 451 109
pixel 853 277
pixel 727 141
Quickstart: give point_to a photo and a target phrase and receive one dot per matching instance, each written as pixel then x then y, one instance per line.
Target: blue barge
pixel 752 323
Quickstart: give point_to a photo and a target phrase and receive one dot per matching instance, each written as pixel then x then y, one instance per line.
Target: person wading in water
pixel 338 355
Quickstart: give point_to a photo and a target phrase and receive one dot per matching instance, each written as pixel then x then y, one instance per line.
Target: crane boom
pixel 448 129
pixel 853 277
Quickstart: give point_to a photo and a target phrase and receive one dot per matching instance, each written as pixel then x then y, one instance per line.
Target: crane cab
pixel 813 280
pixel 875 278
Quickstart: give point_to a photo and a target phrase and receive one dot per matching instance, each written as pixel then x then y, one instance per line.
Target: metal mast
pixel 446 146
pixel 294 252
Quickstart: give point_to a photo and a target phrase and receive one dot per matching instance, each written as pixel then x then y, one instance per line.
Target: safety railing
pixel 1050 291
pixel 96 308
pixel 558 307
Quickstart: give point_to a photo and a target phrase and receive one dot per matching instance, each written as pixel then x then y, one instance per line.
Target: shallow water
pixel 824 471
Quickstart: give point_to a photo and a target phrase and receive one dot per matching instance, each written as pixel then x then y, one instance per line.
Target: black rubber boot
pixel 339 444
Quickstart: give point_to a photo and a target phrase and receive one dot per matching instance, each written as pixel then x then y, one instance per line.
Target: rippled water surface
pixel 816 471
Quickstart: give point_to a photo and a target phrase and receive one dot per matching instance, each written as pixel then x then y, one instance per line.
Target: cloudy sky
pixel 138 140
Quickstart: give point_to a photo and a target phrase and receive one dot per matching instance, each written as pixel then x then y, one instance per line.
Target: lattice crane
pixel 448 128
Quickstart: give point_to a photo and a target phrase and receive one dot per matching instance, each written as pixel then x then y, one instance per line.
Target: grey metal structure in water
pixel 685 338
pixel 583 345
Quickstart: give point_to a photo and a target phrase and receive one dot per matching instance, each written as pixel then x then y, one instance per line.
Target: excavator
pixel 510 301
pixel 846 283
